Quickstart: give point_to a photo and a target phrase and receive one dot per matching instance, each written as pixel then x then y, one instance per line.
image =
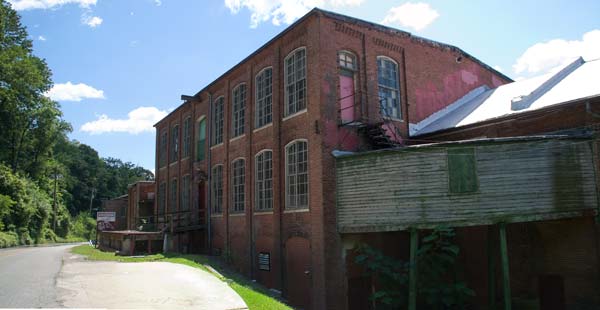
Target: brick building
pixel 244 168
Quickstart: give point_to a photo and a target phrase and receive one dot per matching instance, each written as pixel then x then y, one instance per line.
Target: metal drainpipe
pixel 209 171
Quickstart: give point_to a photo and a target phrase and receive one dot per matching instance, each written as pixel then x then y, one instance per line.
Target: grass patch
pixel 255 295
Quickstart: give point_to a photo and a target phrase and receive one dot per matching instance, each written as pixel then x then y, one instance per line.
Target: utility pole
pixel 54 204
pixel 92 199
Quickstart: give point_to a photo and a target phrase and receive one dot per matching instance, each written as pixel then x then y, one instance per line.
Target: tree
pixel 29 121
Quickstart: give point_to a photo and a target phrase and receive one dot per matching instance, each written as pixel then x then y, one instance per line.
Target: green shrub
pixel 83 226
pixel 8 239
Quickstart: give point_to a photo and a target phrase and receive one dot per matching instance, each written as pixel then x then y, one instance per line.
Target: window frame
pixel 238 110
pixel 216 188
pixel 185 192
pixel 173 196
pixel 384 109
pixel 260 184
pixel 174 145
pixel 218 134
pixel 164 148
pixel 201 142
pixel 238 186
pixel 187 137
pixel 162 199
pixel 298 105
pixel 352 68
pixel 296 206
pixel 264 104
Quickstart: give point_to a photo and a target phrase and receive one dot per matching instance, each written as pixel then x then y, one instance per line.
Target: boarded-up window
pixel 462 171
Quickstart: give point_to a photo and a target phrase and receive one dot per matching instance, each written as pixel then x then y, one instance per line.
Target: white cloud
pixel 498 68
pixel 41 38
pixel 282 11
pixel 47 4
pixel 74 92
pixel 158 2
pixel 413 15
pixel 548 56
pixel 138 120
pixel 92 21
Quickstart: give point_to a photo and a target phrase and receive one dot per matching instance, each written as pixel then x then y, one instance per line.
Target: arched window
pixel 239 109
pixel 217 189
pixel 173 196
pixel 264 97
pixel 296 174
pixel 217 136
pixel 264 180
pixel 175 143
pixel 201 142
pixel 389 89
pixel 347 60
pixel 238 185
pixel 187 136
pixel 295 81
pixel 185 193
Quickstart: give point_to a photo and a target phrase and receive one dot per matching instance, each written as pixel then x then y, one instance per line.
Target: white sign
pixel 106 216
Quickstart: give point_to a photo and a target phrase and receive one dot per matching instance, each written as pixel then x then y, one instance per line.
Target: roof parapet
pixel 525 101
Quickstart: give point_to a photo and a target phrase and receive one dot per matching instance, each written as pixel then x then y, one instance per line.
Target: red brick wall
pixel 242 237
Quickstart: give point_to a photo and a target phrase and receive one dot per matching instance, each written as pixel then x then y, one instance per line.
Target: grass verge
pixel 256 296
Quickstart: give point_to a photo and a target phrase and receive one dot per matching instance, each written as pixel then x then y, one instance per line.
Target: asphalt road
pixel 28 276
pixel 52 277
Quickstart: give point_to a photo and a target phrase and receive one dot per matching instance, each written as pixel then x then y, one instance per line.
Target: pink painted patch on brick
pixel 347 98
pixel 469 77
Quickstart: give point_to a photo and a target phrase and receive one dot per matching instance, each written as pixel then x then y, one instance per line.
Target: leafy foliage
pixel 437 288
pixel 45 177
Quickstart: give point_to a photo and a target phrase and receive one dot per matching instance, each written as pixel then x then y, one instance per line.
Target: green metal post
pixel 505 270
pixel 412 272
pixel 491 269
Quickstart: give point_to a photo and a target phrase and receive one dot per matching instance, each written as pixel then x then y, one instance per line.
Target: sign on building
pixel 106 220
pixel 264 261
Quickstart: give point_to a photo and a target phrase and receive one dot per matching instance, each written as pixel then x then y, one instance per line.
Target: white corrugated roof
pixel 576 81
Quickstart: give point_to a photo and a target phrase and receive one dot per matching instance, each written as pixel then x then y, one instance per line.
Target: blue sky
pixel 119 66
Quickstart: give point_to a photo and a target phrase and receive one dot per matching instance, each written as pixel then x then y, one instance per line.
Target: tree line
pixel 49 185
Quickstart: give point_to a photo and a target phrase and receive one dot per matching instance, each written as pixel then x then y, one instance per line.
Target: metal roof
pixel 578 80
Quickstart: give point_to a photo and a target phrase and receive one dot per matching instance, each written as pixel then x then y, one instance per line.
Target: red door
pixel 347 98
pixel 298 272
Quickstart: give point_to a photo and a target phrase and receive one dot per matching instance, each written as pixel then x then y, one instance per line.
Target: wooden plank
pixel 505 268
pixel 412 271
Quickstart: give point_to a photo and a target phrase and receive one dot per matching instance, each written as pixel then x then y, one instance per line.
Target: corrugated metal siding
pixel 518 181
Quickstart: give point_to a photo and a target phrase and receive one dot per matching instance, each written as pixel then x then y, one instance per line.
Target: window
pixel 296 172
pixel 173 197
pixel 238 185
pixel 185 193
pixel 174 143
pixel 163 148
pixel 347 60
pixel 462 171
pixel 217 189
pixel 162 198
pixel 239 108
pixel 264 97
pixel 217 136
pixel 201 147
pixel 295 81
pixel 264 181
pixel 389 91
pixel 187 136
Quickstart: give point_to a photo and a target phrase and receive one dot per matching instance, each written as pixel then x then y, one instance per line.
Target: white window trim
pixel 263 127
pixel 233 110
pixel 255 171
pixel 294 115
pixel 256 99
pixel 231 209
pixel 299 209
pixel 213 123
pixel 285 94
pixel 393 118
